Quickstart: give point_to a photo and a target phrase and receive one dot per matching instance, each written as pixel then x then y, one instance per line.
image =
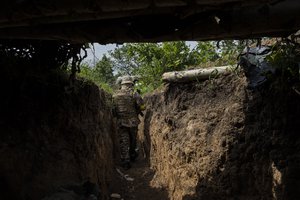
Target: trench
pixel 205 140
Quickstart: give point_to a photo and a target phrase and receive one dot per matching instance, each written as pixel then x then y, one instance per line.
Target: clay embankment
pixel 53 136
pixel 209 140
pixel 218 140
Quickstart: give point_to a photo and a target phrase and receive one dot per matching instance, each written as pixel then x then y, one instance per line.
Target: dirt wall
pixel 52 136
pixel 219 140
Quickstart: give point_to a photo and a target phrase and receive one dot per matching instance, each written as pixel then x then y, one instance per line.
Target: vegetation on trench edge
pixel 150 60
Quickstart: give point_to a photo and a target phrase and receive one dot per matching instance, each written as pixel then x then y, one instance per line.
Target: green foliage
pixel 102 74
pixel 151 60
pixel 220 53
pixel 229 51
pixel 285 57
pixel 124 60
pixel 106 87
pixel 104 71
pixel 206 53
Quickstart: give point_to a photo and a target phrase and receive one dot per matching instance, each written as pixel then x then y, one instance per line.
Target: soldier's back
pixel 126 108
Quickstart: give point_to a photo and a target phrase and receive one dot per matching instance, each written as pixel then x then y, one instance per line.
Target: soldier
pixel 128 106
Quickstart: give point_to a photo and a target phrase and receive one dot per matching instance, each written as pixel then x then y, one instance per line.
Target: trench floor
pixel 134 184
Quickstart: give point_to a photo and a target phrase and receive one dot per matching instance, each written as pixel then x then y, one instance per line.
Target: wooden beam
pixel 276 20
pixel 196 74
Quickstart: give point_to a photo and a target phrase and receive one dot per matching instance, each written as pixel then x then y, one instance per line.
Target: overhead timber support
pixel 147 21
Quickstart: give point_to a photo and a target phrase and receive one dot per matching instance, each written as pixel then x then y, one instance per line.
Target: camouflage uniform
pixel 127 110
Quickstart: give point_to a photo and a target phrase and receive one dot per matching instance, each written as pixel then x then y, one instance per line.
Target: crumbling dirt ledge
pixel 53 136
pixel 218 140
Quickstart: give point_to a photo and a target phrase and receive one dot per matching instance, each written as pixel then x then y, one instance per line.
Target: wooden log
pixel 119 21
pixel 196 74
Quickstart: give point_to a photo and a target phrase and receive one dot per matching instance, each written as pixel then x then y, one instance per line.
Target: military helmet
pixel 126 80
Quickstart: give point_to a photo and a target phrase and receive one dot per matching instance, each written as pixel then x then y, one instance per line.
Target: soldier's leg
pixel 124 146
pixel 133 143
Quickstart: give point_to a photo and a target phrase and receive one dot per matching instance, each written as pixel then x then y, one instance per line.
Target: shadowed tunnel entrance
pixel 205 140
pixel 214 139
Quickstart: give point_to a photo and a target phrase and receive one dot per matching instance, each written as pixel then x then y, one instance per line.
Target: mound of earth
pixel 53 137
pixel 218 140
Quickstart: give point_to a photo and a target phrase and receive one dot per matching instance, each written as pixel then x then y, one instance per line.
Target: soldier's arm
pixel 140 103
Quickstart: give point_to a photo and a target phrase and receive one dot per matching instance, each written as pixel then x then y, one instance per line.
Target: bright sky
pixel 95 53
